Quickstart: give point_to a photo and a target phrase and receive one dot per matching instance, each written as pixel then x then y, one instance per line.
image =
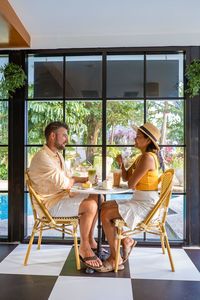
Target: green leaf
pixel 12 79
pixel 193 77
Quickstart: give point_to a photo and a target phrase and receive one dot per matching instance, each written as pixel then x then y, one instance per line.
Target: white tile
pixel 191 247
pixel 150 263
pixel 80 288
pixel 48 260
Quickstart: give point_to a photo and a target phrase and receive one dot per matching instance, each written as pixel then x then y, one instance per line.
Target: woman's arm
pixel 145 164
pixel 125 173
pixel 121 166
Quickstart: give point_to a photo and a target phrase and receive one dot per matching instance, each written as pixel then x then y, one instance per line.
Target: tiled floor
pixel 51 274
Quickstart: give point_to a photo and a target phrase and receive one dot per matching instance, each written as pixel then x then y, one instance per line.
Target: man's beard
pixel 59 146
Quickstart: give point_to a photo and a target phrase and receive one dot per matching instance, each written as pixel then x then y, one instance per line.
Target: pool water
pixel 4 207
pixel 4 204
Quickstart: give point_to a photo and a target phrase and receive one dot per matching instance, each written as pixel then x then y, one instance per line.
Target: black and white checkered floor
pixel 51 274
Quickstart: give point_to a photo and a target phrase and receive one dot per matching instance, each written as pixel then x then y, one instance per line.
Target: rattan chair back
pixel 44 221
pixel 154 223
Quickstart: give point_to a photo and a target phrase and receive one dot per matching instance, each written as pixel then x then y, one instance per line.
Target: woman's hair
pixel 151 147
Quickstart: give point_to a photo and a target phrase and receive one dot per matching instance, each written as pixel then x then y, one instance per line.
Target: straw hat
pixel 151 131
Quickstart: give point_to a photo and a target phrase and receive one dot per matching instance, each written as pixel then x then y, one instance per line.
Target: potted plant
pixel 13 77
pixel 193 76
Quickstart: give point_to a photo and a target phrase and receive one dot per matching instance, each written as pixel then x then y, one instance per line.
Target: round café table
pixel 98 190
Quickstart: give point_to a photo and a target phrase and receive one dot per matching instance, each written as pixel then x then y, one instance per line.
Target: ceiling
pixel 109 23
pixel 12 32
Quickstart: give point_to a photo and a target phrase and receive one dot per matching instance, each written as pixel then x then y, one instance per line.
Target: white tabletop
pixel 99 190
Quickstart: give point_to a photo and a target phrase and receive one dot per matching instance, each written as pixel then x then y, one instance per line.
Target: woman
pixel 142 177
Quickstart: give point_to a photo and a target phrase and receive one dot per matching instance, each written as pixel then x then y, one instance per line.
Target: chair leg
pixel 30 244
pixel 162 243
pixel 40 238
pixel 169 253
pixel 76 248
pixel 119 231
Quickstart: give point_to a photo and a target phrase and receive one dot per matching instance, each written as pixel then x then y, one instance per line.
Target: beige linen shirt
pixel 49 176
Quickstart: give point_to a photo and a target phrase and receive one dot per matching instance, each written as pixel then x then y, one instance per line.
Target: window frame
pixel 104 100
pixel 16 219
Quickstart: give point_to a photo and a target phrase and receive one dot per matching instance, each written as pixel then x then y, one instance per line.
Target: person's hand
pixel 119 160
pixel 96 180
pixel 71 183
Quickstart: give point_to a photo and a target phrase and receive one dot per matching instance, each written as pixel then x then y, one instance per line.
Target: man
pixel 53 182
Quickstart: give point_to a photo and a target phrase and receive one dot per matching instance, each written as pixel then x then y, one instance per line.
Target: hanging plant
pixel 193 76
pixel 13 77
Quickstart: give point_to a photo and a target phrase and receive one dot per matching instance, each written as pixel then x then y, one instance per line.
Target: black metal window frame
pixel 16 215
pixel 4 146
pixel 104 100
pixel 5 53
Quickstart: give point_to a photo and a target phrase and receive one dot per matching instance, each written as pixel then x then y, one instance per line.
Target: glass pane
pixel 168 116
pixel 40 114
pixel 4 168
pixel 125 76
pixel 84 119
pixel 4 122
pixel 45 77
pixel 83 76
pixel 174 159
pixel 174 222
pixel 129 155
pixel 79 159
pixel 120 116
pixel 164 75
pixel 4 59
pixel 3 214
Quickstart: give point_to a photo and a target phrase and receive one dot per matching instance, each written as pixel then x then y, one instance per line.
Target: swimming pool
pixel 4 207
pixel 4 204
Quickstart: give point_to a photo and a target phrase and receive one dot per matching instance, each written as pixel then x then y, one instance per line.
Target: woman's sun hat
pixel 151 131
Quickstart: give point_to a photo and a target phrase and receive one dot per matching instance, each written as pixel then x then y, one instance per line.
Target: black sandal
pixel 85 259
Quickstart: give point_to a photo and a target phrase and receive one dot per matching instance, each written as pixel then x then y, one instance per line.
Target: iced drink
pixel 116 177
pixel 91 175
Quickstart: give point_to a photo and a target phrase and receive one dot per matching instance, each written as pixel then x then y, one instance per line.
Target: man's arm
pixel 78 179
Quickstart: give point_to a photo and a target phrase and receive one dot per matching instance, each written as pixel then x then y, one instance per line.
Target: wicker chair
pixel 44 221
pixel 154 223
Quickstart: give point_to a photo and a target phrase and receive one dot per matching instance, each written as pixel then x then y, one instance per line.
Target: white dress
pixel 135 210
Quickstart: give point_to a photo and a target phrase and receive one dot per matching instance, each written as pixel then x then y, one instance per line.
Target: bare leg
pixel 92 241
pixel 110 212
pixel 87 212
